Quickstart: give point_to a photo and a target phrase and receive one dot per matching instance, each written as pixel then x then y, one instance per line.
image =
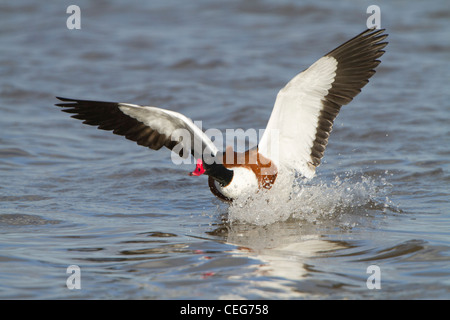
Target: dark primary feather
pixel 108 116
pixel 356 61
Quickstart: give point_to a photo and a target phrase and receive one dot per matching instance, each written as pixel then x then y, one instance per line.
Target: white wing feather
pixel 291 129
pixel 169 123
pixel 148 126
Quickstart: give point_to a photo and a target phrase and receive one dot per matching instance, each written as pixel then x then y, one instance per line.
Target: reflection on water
pixel 289 263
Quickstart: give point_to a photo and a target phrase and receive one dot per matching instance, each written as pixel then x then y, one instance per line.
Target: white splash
pixel 309 200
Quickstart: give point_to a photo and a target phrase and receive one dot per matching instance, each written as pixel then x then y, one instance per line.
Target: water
pixel 140 228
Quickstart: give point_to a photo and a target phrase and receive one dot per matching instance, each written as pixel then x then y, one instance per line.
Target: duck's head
pixel 216 171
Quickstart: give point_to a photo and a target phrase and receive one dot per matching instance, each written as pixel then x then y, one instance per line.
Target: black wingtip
pixel 64 99
pixel 67 102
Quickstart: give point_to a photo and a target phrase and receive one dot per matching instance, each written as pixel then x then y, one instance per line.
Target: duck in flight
pixel 293 141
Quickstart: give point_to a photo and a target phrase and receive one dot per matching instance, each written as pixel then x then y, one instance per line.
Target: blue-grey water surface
pixel 140 228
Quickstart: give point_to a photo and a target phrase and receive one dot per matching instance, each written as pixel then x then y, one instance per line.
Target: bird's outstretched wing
pixel 302 118
pixel 148 126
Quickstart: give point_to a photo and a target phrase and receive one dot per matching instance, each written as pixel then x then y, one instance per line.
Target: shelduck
pixel 294 139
